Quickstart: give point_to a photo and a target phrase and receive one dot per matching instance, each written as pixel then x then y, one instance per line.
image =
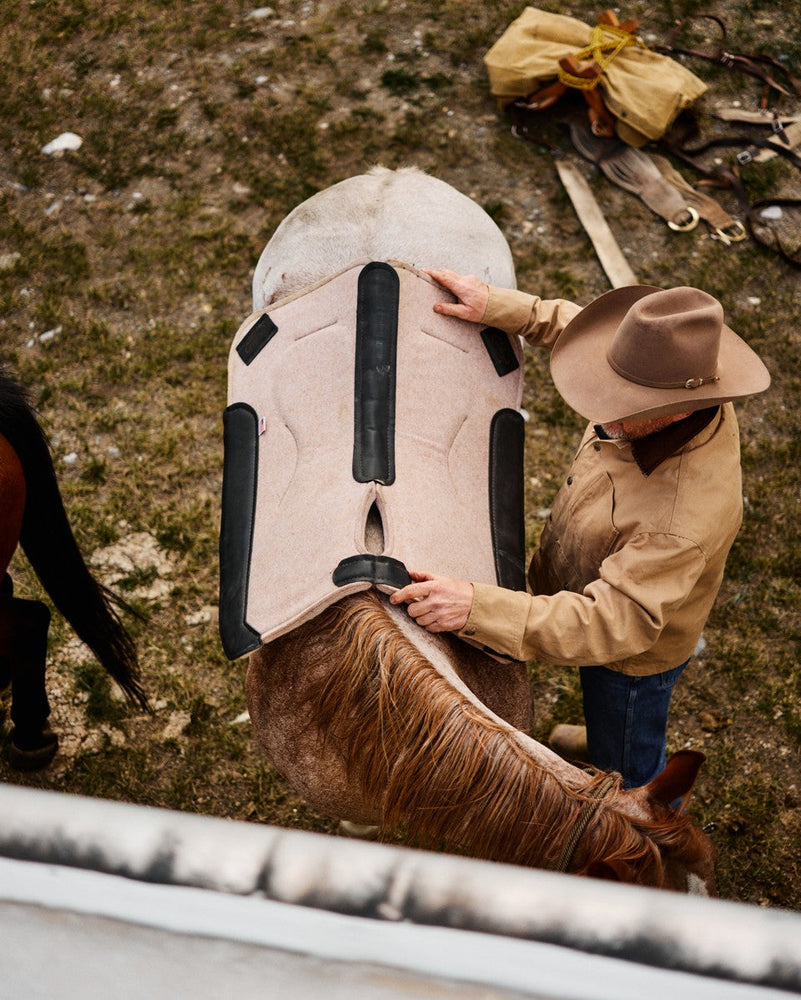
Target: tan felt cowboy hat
pixel 640 352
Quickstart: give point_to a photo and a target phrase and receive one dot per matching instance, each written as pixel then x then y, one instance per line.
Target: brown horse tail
pixel 51 548
pixel 435 763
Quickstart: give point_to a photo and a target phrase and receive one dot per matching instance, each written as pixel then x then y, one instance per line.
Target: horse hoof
pixel 36 756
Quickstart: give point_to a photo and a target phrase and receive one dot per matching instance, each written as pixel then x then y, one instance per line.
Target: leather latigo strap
pixel 759 228
pixel 653 179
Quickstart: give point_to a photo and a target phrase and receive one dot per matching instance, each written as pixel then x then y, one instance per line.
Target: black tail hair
pixel 51 549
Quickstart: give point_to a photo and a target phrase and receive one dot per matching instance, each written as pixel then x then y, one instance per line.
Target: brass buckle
pixel 685 227
pixel 733 233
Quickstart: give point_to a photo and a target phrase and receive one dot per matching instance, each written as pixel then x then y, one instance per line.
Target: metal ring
pixel 734 233
pixel 686 226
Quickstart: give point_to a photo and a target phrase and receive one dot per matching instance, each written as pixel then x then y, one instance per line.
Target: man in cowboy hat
pixel 632 556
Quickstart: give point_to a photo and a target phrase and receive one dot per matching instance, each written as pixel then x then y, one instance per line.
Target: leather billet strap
pixel 729 176
pixel 762 67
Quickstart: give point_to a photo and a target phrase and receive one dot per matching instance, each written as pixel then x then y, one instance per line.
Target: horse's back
pixel 402 215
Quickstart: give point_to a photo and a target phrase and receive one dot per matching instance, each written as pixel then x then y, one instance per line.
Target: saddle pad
pixel 365 435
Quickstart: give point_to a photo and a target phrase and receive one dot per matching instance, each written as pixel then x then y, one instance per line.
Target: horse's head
pixel 681 857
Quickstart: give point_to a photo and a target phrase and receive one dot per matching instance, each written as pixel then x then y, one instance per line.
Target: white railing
pixel 428 914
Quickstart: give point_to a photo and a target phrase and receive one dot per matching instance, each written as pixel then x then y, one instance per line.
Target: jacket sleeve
pixel 538 321
pixel 619 615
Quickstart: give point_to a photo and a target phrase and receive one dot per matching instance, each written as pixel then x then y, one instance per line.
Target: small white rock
pixel 67 140
pixel 201 617
pixel 771 212
pixel 70 459
pixel 177 723
pixel 9 260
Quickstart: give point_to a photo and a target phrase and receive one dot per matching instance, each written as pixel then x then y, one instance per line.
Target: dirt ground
pixel 125 268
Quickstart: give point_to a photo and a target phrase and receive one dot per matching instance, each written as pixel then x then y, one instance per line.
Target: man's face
pixel 631 430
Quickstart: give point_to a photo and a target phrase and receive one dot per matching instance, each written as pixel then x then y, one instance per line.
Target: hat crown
pixel 669 339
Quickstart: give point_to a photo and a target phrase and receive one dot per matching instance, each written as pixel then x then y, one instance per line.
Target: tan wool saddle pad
pixel 365 436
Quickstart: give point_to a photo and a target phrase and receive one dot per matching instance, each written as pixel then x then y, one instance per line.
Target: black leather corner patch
pixel 371 569
pixel 256 339
pixel 374 390
pixel 507 524
pixel 240 464
pixel 500 350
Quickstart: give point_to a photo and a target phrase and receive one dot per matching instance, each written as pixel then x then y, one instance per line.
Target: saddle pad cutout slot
pixel 256 339
pixel 374 530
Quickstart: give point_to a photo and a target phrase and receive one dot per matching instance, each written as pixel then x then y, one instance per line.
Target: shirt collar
pixel 649 452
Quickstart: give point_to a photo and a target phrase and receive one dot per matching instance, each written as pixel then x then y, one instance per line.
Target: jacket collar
pixel 649 452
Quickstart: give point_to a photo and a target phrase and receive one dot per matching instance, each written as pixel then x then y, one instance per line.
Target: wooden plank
pixel 591 217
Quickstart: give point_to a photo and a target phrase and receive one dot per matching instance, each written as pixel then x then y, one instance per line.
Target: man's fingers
pixel 410 593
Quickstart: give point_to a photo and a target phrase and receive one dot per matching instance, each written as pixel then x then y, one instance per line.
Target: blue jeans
pixel 626 721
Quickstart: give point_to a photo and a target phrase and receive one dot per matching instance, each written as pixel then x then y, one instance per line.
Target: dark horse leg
pixel 23 653
pixel 32 514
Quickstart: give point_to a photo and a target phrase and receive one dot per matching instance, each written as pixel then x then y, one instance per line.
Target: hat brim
pixel 589 385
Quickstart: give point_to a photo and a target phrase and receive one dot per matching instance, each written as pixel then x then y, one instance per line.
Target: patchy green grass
pixel 202 127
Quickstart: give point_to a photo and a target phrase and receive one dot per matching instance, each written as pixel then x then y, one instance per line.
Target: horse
pixel 373 720
pixel 34 518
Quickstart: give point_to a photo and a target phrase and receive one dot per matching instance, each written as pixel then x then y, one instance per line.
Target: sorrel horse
pixel 371 718
pixel 33 515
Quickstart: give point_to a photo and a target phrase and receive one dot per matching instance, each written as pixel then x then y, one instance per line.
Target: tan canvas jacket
pixel 629 565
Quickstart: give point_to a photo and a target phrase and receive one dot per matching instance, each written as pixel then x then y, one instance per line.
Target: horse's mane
pixel 449 773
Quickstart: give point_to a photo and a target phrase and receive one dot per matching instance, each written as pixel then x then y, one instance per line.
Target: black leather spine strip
pixel 256 339
pixel 240 466
pixel 500 350
pixel 371 569
pixel 376 356
pixel 507 437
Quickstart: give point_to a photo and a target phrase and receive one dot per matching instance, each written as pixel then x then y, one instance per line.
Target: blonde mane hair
pixel 452 775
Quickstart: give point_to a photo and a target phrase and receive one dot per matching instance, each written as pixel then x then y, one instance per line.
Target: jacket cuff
pixel 497 619
pixel 508 309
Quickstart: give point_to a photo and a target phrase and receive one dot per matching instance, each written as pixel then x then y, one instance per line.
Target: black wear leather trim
pixel 256 339
pixel 371 569
pixel 507 438
pixel 376 355
pixel 240 465
pixel 500 350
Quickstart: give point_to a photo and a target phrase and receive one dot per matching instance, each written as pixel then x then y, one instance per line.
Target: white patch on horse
pixel 696 885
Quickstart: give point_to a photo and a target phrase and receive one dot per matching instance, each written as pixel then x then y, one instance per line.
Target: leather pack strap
pixel 758 66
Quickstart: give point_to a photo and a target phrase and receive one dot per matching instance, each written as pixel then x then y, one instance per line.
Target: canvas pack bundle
pixel 642 90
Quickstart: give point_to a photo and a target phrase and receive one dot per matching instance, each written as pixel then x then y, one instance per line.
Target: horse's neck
pixel 439 655
pixel 631 805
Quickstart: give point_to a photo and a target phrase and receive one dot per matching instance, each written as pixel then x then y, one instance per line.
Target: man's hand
pixel 437 603
pixel 473 295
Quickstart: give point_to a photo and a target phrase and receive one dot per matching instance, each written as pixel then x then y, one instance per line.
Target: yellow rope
pixel 606 41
